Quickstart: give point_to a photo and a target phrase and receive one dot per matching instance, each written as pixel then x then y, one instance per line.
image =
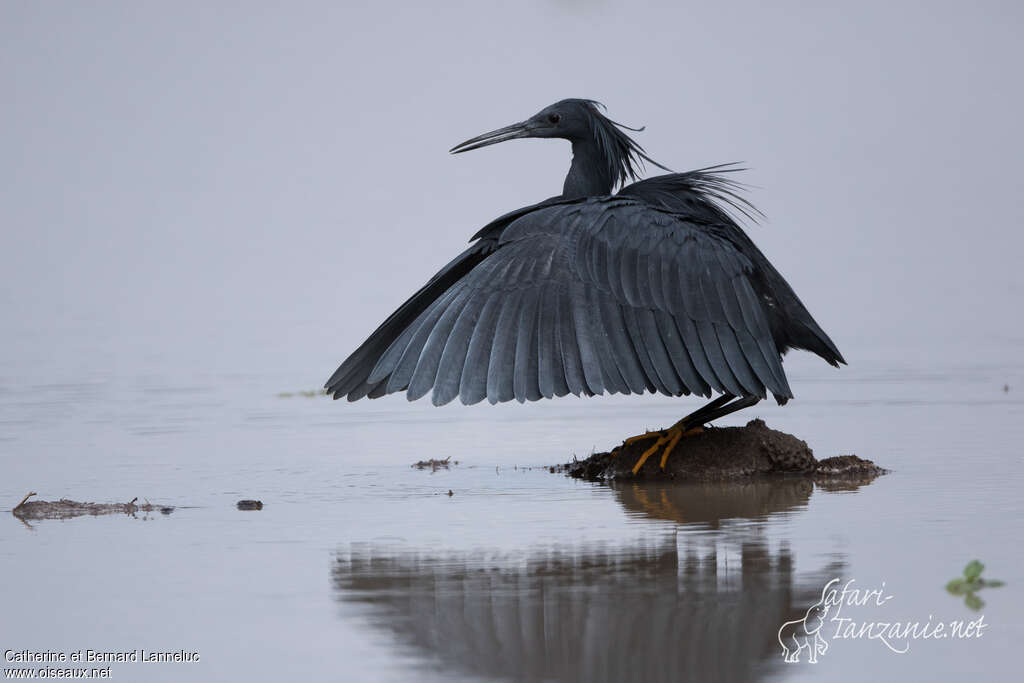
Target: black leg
pixel 695 418
pixel 720 407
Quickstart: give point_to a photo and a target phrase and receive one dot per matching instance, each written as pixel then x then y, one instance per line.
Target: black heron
pixel 653 288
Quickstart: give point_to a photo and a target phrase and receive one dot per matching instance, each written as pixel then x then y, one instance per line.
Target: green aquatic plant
pixel 970 583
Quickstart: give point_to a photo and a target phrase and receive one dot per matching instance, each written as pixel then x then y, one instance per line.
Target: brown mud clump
pixel 67 509
pixel 725 454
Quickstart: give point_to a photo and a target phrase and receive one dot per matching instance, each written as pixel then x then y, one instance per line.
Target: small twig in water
pixel 27 496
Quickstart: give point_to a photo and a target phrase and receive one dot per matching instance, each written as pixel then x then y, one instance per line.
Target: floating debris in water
pixel 249 504
pixel 68 509
pixel 304 394
pixel 435 465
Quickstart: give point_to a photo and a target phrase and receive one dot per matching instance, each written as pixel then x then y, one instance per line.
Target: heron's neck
pixel 589 174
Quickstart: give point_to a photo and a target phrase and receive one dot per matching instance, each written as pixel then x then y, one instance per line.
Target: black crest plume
pixel 624 154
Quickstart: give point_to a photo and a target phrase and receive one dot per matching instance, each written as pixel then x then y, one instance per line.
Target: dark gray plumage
pixel 655 288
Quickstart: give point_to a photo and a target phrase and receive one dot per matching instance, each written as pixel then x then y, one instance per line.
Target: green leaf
pixel 974 602
pixel 957 586
pixel 994 583
pixel 973 570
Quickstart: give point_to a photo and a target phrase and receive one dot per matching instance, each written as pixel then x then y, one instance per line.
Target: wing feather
pixel 473 384
pixel 693 346
pixel 620 345
pixel 642 349
pixel 570 348
pixel 403 372
pixel 737 361
pixel 614 379
pixel 716 356
pixel 607 294
pixel 550 376
pixel 525 378
pixel 448 376
pixel 425 374
pixel 692 381
pixel 660 361
pixel 502 362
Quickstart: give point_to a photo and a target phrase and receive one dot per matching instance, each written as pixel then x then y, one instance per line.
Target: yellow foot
pixel 667 438
pixel 640 437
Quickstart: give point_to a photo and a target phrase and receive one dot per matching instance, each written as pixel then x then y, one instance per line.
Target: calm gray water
pixel 361 567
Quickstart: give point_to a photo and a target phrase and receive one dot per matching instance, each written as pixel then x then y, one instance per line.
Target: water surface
pixel 360 567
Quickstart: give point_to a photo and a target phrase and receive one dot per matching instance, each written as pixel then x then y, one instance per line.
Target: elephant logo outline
pixel 805 634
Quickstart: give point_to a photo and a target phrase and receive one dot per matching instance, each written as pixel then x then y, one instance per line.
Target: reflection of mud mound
pixel 725 454
pixel 650 613
pixel 710 503
pixel 690 502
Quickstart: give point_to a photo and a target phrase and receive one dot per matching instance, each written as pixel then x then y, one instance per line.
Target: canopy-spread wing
pixel 606 294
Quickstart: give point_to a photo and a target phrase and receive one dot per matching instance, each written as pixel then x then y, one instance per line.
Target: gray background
pixel 252 187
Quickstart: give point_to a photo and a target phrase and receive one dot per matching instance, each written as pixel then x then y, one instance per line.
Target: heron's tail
pixel 792 325
pixel 804 333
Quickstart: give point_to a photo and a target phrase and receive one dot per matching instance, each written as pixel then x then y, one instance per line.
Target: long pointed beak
pixel 516 130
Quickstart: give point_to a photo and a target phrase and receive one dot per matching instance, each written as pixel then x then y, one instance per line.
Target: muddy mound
pixel 725 454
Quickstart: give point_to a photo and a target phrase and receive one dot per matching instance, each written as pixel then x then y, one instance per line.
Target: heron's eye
pixel 554 118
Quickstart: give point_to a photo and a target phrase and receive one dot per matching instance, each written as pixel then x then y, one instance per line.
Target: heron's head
pixel 569 119
pixel 578 121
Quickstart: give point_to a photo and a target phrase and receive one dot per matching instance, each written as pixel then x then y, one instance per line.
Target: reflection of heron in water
pixel 647 612
pixel 653 611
